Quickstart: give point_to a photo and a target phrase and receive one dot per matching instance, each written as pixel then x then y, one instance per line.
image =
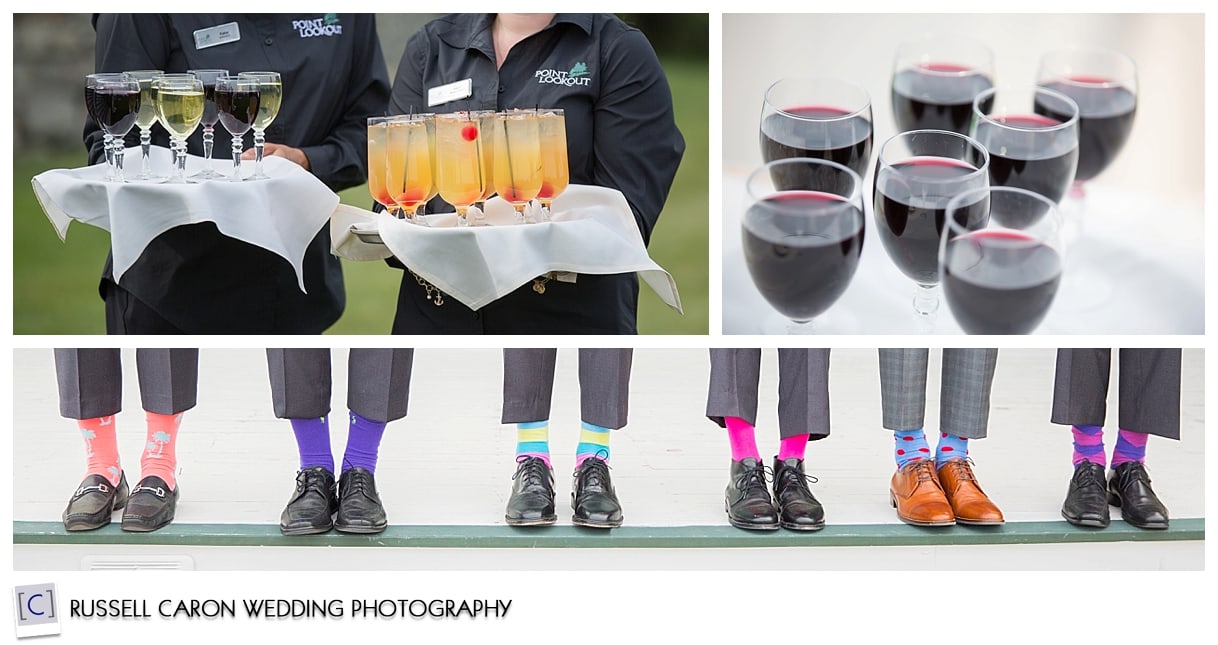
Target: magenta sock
pixel 313 442
pixel 363 443
pixel 1089 445
pixel 1130 446
pixel 793 447
pixel 741 435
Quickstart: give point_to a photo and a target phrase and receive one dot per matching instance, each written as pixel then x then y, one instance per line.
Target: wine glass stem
pixel 118 161
pixel 179 161
pixel 519 212
pixel 237 142
pixel 145 152
pixel 209 139
pixel 108 148
pixel 259 143
pixel 926 299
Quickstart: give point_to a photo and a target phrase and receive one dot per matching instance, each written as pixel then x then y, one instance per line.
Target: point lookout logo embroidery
pixel 578 75
pixel 327 25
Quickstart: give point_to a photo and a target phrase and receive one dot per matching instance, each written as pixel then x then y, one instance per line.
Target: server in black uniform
pixel 620 134
pixel 193 279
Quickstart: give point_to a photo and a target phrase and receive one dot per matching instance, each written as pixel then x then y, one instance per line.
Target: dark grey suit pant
pixel 803 389
pixel 378 382
pixel 91 381
pixel 1149 395
pixel 604 385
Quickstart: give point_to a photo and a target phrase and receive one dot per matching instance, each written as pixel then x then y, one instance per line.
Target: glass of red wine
pixel 934 82
pixel 1028 149
pixel 917 173
pixel 113 102
pixel 210 118
pixel 820 118
pixel 236 107
pixel 802 241
pixel 1001 272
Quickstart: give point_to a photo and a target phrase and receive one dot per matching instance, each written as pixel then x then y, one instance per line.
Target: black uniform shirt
pixel 334 77
pixel 620 134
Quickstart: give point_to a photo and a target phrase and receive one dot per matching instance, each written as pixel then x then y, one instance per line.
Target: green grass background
pixel 55 283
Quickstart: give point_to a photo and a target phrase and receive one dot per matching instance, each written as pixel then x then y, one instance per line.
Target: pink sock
pixel 160 452
pixel 1130 446
pixel 793 447
pixel 741 435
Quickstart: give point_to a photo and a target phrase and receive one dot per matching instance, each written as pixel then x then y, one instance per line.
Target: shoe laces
pixel 1084 477
pixel 756 477
pixel 962 469
pixel 792 477
pixel 532 471
pixel 358 481
pixel 310 478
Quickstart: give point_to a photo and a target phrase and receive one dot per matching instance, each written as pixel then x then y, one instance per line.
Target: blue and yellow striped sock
pixel 593 442
pixel 533 440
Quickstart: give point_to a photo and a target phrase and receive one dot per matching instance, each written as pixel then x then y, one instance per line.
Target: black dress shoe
pixel 312 505
pixel 151 505
pixel 359 507
pixel 1086 502
pixel 797 507
pixel 532 500
pixel 94 501
pixel 747 499
pixel 1129 489
pixel 593 498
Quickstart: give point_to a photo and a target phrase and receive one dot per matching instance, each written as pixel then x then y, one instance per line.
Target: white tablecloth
pixel 282 214
pixel 593 232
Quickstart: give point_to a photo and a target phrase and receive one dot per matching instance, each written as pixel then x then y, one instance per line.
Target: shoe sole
pixel 960 520
pixel 306 530
pixel 802 527
pixel 596 525
pixel 1078 521
pixel 361 530
pixel 544 521
pixel 139 528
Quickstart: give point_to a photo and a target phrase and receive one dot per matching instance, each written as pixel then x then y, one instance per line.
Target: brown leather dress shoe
pixel 917 496
pixel 968 501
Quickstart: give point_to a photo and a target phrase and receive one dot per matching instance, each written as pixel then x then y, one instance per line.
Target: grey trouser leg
pixel 964 398
pixel 1149 395
pixel 604 385
pixel 91 381
pixel 803 389
pixel 378 382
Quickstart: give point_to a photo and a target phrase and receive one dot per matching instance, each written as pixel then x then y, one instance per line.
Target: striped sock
pixel 533 440
pixel 593 442
pixel 910 446
pixel 1130 446
pixel 160 454
pixel 950 447
pixel 1089 444
pixel 101 448
pixel 743 438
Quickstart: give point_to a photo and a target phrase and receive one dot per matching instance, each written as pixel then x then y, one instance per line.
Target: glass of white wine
pixel 270 95
pixel 179 107
pixel 144 121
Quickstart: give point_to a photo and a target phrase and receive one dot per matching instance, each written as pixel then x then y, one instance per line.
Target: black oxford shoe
pixel 312 505
pixel 1129 489
pixel 532 500
pixel 94 501
pixel 798 509
pixel 152 505
pixel 359 507
pixel 593 498
pixel 747 499
pixel 1086 502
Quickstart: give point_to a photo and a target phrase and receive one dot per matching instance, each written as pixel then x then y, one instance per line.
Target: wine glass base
pixel 830 322
pixel 204 175
pixel 150 179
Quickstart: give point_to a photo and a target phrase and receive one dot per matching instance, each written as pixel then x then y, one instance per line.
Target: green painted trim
pixel 648 537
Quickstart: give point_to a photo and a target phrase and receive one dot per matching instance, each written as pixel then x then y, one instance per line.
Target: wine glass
pixel 917 173
pixel 270 96
pixel 1027 149
pixel 555 171
pixel 459 172
pixel 179 107
pixel 113 102
pixel 144 121
pixel 517 173
pixel 935 80
pixel 237 102
pixel 409 176
pixel 210 116
pixel 802 242
pixel 378 135
pixel 1001 271
pixel 822 118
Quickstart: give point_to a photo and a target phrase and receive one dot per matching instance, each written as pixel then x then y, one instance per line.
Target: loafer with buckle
pixel 313 504
pixel 747 499
pixel 969 503
pixel 532 500
pixel 593 498
pixel 152 505
pixel 94 502
pixel 359 506
pixel 919 499
pixel 1129 490
pixel 1086 501
pixel 798 509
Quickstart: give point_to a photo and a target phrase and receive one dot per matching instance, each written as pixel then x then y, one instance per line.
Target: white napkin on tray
pixel 593 232
pixel 281 214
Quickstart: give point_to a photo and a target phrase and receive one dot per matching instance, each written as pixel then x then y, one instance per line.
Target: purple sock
pixel 1088 444
pixel 363 441
pixel 1130 446
pixel 313 442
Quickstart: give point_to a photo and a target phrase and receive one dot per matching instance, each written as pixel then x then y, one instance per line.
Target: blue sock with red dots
pixel 950 447
pixel 910 446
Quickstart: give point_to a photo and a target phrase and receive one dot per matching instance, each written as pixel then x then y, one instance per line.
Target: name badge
pixel 451 92
pixel 218 35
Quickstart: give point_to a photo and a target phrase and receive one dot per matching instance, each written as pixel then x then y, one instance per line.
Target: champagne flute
pixel 517 174
pixel 378 170
pixel 459 173
pixel 144 121
pixel 486 140
pixel 113 102
pixel 237 108
pixel 935 80
pixel 270 88
pixel 555 173
pixel 210 116
pixel 179 107
pixel 409 175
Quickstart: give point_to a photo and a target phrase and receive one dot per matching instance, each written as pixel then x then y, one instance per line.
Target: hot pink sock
pixel 741 435
pixel 793 447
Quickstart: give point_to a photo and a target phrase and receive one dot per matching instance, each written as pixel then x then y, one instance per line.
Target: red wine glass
pixel 820 118
pixel 934 82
